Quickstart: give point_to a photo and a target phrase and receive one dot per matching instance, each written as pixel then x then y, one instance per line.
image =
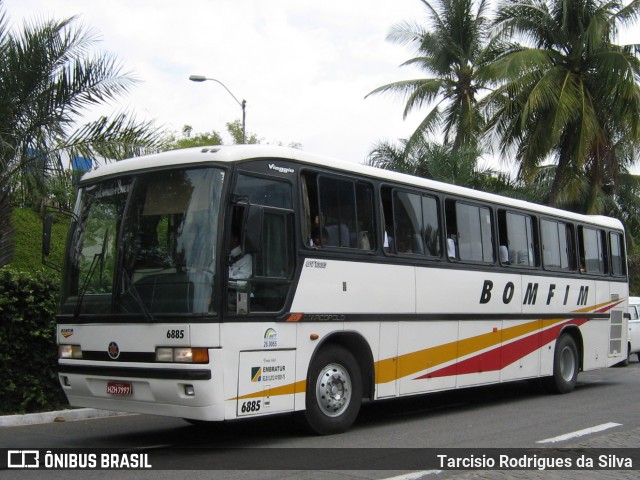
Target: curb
pixel 57 416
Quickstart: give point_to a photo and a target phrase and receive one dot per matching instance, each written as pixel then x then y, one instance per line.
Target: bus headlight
pixel 69 351
pixel 182 354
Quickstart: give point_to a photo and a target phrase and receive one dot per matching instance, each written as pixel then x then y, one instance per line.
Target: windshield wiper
pixel 148 316
pixel 85 284
pixel 92 268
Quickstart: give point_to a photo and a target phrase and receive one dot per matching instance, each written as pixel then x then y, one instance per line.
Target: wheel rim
pixel 333 390
pixel 567 364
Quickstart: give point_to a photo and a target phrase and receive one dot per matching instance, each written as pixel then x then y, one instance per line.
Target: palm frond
pixel 114 138
pixel 52 75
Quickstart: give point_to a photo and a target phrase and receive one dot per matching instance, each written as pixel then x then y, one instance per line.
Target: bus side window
pixel 616 253
pixel 452 230
pixel 365 217
pixel 516 239
pixel 262 263
pixel 387 220
pixel 415 225
pixel 557 245
pixel 591 250
pixel 407 216
pixel 311 210
pixel 338 212
pixel 473 224
pixel 431 225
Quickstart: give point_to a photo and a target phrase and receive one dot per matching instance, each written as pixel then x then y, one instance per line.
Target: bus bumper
pixel 193 393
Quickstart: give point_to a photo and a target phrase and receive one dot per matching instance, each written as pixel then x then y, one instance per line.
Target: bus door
pixel 261 246
pixel 261 262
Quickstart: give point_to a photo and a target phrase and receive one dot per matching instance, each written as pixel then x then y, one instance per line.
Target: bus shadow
pixel 260 431
pixel 238 433
pixel 425 405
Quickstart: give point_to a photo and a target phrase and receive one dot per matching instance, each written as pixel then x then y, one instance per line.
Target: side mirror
pixel 47 224
pixel 252 230
pixel 52 216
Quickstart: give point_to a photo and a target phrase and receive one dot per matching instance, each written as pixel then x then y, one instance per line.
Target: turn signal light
pixel 182 354
pixel 69 351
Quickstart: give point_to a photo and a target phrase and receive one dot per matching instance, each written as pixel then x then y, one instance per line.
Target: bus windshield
pixel 145 245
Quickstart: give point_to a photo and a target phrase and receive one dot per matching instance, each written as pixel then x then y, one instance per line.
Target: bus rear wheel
pixel 565 365
pixel 334 391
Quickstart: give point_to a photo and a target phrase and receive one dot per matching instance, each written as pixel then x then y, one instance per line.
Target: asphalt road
pixel 604 410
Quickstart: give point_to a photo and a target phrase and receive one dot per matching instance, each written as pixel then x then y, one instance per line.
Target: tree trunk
pixel 6 229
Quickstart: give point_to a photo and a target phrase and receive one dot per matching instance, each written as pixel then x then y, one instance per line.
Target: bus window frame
pixel 623 253
pixel 572 250
pixel 503 210
pixel 491 207
pixel 422 193
pixel 603 243
pixel 235 200
pixel 314 176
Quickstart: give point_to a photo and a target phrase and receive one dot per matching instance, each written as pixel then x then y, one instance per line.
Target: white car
pixel 634 326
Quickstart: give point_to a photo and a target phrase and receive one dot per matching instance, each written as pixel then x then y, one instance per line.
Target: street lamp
pixel 243 103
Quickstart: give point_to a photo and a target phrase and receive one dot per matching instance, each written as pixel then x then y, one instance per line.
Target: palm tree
pixel 450 53
pixel 568 94
pixel 47 81
pixel 444 163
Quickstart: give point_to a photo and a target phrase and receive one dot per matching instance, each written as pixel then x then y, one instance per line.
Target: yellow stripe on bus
pixel 290 389
pixel 393 368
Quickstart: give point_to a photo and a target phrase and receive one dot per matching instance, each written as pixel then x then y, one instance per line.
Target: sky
pixel 304 68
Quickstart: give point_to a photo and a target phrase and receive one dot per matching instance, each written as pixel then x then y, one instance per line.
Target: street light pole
pixel 243 103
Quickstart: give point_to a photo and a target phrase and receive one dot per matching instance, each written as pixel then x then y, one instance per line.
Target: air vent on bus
pixel 615 333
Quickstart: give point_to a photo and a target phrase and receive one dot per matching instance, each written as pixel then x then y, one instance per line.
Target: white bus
pixel 234 281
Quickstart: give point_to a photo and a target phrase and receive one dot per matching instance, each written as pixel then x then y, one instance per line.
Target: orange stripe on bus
pixel 393 368
pixel 390 369
pixel 289 389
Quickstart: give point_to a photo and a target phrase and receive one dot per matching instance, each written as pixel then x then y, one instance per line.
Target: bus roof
pixel 237 153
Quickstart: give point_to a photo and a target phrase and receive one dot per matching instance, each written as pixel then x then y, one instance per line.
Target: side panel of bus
pixel 468 327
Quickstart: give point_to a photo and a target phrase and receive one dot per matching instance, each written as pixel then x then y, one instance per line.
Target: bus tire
pixel 565 366
pixel 625 362
pixel 198 423
pixel 334 391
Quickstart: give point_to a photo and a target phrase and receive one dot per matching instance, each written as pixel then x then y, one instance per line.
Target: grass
pixel 27 237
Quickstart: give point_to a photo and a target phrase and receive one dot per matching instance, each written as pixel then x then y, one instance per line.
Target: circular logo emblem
pixel 113 350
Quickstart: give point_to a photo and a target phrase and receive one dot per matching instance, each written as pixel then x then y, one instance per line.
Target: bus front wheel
pixel 565 365
pixel 334 391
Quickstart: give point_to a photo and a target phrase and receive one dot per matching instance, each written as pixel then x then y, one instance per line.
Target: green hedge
pixel 634 275
pixel 27 238
pixel 28 352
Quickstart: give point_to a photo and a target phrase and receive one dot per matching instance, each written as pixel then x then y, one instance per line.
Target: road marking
pixel 580 433
pixel 415 475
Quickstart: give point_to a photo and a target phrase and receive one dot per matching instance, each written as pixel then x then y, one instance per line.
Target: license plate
pixel 119 388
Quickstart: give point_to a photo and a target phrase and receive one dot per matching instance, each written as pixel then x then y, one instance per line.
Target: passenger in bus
pixel 583 268
pixel 365 243
pixel 314 232
pixel 504 255
pixel 314 237
pixel 387 243
pixel 337 235
pixel 525 257
pixel 240 270
pixel 318 239
pixel 405 245
pixel 452 252
pixel 240 267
